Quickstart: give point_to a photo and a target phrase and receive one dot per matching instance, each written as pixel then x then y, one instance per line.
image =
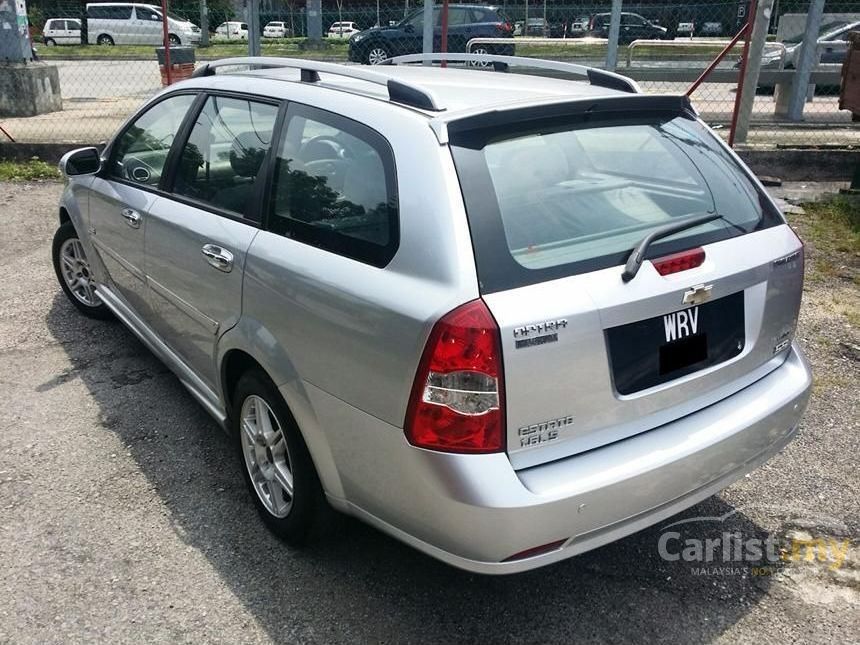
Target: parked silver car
pixel 504 318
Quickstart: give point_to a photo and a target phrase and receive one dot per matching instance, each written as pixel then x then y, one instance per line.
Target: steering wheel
pixel 322 147
pixel 138 171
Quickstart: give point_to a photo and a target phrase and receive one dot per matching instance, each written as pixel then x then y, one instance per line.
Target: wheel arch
pixel 249 345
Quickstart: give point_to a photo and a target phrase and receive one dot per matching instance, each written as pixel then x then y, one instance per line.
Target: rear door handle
pixel 132 217
pixel 218 257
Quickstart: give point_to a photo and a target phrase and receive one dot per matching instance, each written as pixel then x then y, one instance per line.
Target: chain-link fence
pixel 106 59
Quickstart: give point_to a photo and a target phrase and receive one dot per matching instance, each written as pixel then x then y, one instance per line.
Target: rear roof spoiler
pixel 455 122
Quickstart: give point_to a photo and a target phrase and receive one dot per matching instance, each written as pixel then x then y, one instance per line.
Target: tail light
pixel 677 262
pixel 504 27
pixel 457 399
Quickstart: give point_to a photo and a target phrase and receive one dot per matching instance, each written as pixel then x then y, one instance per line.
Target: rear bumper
pixel 474 511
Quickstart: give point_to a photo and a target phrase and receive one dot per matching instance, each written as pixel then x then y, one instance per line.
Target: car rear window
pixel 558 198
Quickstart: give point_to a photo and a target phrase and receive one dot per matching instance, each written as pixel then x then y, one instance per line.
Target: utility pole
pixel 614 32
pixel 427 44
pixel 15 45
pixel 252 17
pixel 314 17
pixel 204 24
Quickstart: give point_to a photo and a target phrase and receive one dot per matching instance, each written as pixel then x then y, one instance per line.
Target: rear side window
pixel 568 197
pixel 225 152
pixel 334 186
pixel 121 12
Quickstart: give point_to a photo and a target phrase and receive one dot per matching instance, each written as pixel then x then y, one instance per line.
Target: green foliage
pixel 27 171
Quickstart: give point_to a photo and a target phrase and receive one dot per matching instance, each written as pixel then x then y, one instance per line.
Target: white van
pixel 124 23
pixel 61 31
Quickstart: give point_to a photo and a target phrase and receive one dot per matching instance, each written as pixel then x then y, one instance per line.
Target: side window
pixel 140 153
pixel 73 25
pixel 458 16
pixel 143 13
pixel 225 152
pixel 334 187
pixel 120 12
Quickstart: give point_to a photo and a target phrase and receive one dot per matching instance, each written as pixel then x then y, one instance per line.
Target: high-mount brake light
pixel 677 262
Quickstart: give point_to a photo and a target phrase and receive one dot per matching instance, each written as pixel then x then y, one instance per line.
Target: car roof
pixel 456 88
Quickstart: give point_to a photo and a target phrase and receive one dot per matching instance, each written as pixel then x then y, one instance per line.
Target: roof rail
pixel 595 76
pixel 398 91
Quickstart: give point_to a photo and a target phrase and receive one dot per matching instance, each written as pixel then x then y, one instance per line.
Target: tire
pixel 104 40
pixel 174 40
pixel 73 272
pixel 292 517
pixel 50 42
pixel 375 54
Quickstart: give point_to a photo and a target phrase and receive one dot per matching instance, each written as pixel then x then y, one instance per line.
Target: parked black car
pixel 633 27
pixel 465 21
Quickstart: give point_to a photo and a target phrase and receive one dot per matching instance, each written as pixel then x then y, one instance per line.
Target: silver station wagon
pixel 505 317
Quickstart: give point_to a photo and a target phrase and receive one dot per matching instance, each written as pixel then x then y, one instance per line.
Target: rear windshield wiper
pixel 634 262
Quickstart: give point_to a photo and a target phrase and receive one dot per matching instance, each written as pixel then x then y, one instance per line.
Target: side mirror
pixel 83 161
pixel 154 17
pixel 409 28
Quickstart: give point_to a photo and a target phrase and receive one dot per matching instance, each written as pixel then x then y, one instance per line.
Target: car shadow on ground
pixel 360 584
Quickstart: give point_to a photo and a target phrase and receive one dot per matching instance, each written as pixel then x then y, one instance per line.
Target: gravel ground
pixel 124 518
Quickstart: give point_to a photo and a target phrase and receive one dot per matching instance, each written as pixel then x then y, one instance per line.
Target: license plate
pixel 652 351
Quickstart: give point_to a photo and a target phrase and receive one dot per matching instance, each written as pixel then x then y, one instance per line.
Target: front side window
pixel 146 14
pixel 334 186
pixel 577 195
pixel 224 153
pixel 73 25
pixel 141 151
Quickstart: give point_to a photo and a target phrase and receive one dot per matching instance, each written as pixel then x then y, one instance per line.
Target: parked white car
pixel 125 23
pixel 232 30
pixel 342 29
pixel 62 31
pixel 275 29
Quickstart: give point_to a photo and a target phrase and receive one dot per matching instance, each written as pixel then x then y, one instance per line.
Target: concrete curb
pixel 788 165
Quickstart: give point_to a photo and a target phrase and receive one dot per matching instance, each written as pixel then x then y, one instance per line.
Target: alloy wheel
pixel 377 55
pixel 267 458
pixel 76 272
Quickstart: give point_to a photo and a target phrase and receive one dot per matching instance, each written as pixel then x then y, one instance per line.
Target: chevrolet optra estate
pixel 502 317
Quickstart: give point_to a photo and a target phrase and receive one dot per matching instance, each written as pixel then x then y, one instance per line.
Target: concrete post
pixel 750 80
pixel 614 32
pixel 15 45
pixel 27 87
pixel 807 60
pixel 427 43
pixel 314 16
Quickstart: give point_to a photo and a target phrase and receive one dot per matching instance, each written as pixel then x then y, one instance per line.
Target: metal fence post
pixel 614 31
pixel 427 47
pixel 808 59
pixel 753 67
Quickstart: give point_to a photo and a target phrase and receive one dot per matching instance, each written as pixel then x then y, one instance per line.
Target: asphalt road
pixel 123 516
